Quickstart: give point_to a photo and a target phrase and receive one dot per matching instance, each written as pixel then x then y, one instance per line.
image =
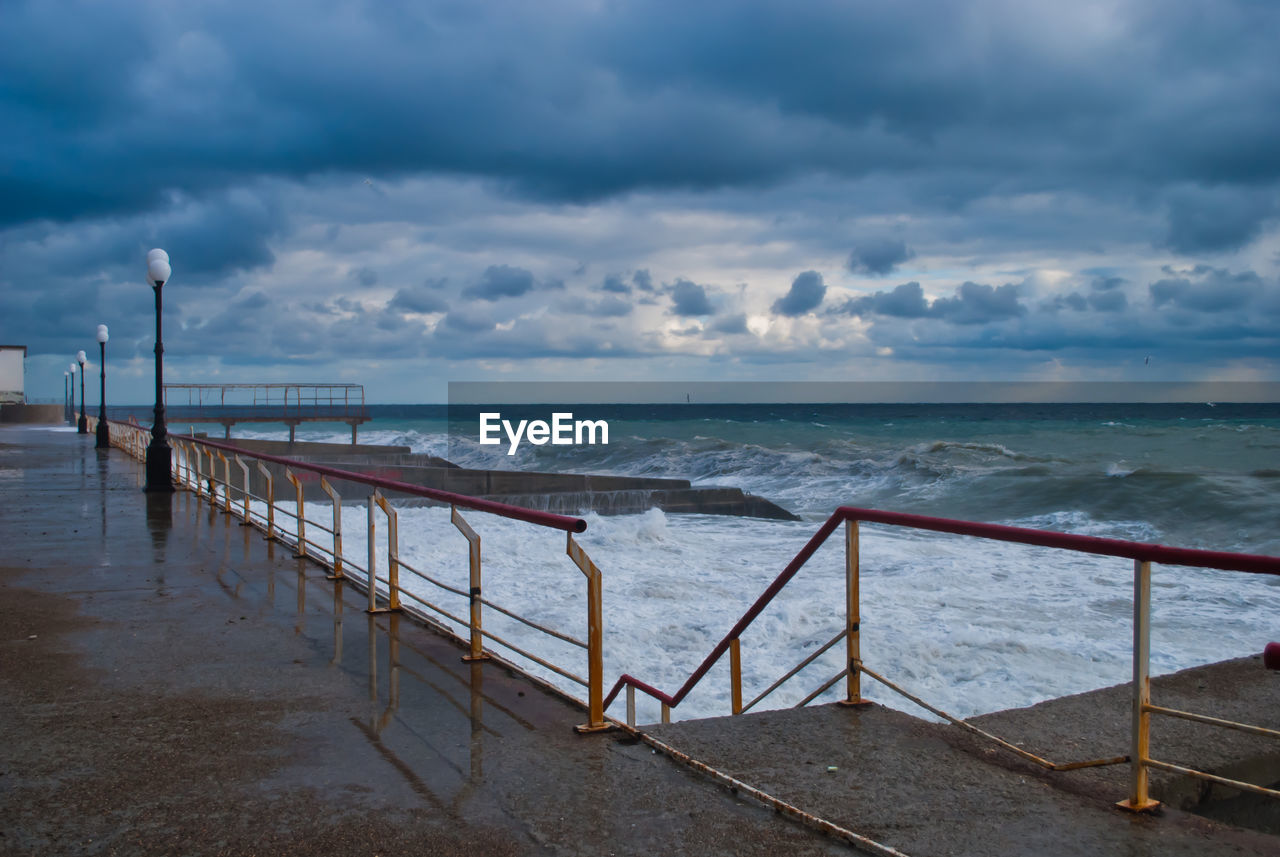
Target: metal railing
pixel 1142 555
pixel 205 467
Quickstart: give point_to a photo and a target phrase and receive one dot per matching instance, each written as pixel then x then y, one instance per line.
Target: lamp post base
pixel 104 440
pixel 159 468
pixel 82 425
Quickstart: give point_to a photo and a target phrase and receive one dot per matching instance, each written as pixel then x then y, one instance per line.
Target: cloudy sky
pixel 403 194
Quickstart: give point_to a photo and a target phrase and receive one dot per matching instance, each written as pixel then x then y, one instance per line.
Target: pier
pixel 174 683
pixel 292 404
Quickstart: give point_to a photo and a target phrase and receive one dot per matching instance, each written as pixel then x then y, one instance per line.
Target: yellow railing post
pixel 337 528
pixel 853 617
pixel 477 652
pixel 301 517
pixel 393 553
pixel 595 638
pixel 1140 742
pixel 244 468
pixel 226 483
pixel 393 602
pixel 198 472
pixel 271 500
pixel 735 674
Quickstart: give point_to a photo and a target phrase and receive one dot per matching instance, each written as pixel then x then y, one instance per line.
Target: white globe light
pixel 102 334
pixel 73 368
pixel 81 358
pixel 158 270
pixel 157 254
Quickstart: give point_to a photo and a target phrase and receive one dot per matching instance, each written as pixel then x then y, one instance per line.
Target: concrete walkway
pixel 172 683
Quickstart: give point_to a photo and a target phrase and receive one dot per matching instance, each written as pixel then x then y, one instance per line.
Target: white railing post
pixel 337 528
pixel 1140 738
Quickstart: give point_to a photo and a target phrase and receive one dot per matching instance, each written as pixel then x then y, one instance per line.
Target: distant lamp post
pixel 84 421
pixel 104 441
pixel 66 401
pixel 71 417
pixel 159 455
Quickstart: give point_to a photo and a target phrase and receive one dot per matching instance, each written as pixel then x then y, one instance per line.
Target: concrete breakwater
pixel 567 493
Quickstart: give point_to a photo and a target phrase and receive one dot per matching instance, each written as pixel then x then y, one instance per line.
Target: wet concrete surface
pixel 172 683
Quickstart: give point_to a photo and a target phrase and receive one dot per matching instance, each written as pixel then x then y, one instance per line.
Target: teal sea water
pixel 1196 475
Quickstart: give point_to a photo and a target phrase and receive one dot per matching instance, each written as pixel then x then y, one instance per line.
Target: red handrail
pixel 505 510
pixel 1252 563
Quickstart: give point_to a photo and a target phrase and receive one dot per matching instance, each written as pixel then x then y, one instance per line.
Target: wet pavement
pixel 170 682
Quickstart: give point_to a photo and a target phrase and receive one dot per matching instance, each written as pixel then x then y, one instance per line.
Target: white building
pixel 13 359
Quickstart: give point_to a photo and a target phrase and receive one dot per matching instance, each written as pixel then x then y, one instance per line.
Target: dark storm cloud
pixel 905 301
pixel 1207 290
pixel 501 281
pixel 978 303
pixel 422 299
pixel 1210 219
pixel 109 107
pixel 878 256
pixel 689 299
pixel 613 283
pixel 642 281
pixel 974 303
pixel 729 324
pixel 806 292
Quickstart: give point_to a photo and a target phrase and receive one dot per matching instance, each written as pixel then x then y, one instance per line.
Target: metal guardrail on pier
pixel 1142 555
pixel 205 467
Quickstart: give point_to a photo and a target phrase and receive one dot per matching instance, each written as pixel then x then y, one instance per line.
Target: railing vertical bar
pixel 301 517
pixel 595 637
pixel 337 528
pixel 271 500
pixel 853 614
pixel 476 652
pixel 1140 742
pixel 735 674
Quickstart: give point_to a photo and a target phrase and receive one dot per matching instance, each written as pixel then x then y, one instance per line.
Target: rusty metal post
pixel 373 555
pixel 301 517
pixel 595 638
pixel 393 554
pixel 477 652
pixel 271 500
pixel 244 469
pixel 735 674
pixel 198 471
pixel 337 528
pixel 1140 744
pixel 226 486
pixel 853 616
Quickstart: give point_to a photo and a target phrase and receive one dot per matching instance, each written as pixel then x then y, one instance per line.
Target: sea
pixel 970 625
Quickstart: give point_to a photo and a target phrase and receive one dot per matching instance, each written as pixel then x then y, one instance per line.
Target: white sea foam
pixel 972 626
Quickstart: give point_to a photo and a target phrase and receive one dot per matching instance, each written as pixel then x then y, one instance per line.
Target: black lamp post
pixel 104 441
pixel 71 414
pixel 159 455
pixel 83 425
pixel 66 402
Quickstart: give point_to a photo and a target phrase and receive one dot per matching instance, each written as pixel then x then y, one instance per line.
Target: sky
pixel 405 194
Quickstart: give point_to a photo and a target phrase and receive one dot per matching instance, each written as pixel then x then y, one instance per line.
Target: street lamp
pixel 84 421
pixel 66 402
pixel 159 455
pixel 71 417
pixel 104 441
